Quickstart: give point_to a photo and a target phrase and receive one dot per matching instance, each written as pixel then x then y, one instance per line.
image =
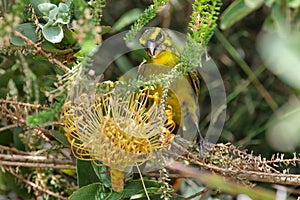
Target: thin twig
pixel 54 61
pixel 8 127
pixel 196 194
pixel 12 149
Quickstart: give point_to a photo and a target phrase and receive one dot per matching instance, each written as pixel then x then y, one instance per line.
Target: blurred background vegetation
pixel 256 47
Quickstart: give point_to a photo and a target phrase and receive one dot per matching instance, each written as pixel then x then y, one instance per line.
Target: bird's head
pixel 155 40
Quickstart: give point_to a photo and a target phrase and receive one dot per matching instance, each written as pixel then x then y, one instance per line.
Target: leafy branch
pixel 148 14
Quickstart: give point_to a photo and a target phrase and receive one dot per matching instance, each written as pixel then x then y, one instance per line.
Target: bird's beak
pixel 151 49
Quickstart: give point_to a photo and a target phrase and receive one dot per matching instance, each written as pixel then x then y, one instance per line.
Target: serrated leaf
pixel 28 30
pixel 53 34
pixel 237 11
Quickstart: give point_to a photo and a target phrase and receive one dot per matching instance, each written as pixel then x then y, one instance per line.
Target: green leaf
pixel 53 34
pixel 63 16
pixel 60 137
pixel 126 19
pixel 136 187
pixel 294 3
pixel 85 173
pixel 287 65
pixel 69 37
pixel 36 3
pixel 12 183
pixel 158 196
pixel 52 48
pixel 113 196
pixel 17 140
pixel 281 21
pixel 86 192
pixel 46 8
pixel 105 29
pixel 28 30
pixel 103 174
pixel 237 11
pixel 63 7
pixel 95 191
pixel 53 13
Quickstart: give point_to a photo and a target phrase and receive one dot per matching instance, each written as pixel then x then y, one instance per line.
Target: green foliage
pixel 191 56
pixel 85 173
pixel 56 17
pixel 126 19
pixel 98 6
pixel 11 182
pixel 27 29
pixel 281 18
pixel 61 137
pixel 148 14
pixel 132 188
pixel 237 11
pixel 46 116
pixel 201 28
pixel 258 83
pixel 204 20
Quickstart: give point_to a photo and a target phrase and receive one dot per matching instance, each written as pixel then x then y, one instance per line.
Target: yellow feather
pixel 183 93
pixel 166 58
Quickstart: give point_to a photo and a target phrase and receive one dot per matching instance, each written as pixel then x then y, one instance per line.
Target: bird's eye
pixel 159 36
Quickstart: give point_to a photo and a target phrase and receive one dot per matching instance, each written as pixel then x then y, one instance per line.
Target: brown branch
pixel 35 161
pixel 34 106
pixel 267 177
pixel 12 149
pixel 30 158
pixel 36 165
pixel 54 61
pixel 197 194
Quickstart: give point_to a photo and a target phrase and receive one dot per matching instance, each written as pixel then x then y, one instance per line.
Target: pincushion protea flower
pixel 120 129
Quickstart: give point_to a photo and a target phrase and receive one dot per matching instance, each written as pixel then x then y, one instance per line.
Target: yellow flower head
pixel 120 129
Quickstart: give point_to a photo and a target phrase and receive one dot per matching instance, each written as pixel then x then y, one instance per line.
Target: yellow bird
pixel 183 93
